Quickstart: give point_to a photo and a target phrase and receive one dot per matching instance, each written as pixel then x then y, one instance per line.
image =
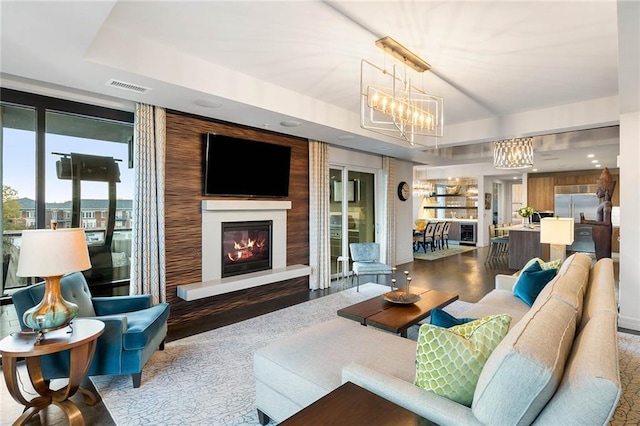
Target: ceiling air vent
pixel 127 86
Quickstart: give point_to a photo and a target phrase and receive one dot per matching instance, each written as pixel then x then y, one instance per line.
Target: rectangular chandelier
pixel 516 153
pixel 391 105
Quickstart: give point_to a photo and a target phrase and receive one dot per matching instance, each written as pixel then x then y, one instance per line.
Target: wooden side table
pixel 80 338
pixel 352 405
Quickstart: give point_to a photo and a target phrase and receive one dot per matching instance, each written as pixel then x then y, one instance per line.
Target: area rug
pixel 439 254
pixel 208 378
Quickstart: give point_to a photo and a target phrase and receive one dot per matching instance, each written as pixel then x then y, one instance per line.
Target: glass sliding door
pixel 61 163
pixel 352 212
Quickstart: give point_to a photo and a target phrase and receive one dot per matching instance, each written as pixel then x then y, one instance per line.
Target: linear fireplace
pixel 246 247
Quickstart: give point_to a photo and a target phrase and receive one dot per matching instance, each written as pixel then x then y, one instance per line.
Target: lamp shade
pixel 556 230
pixel 48 252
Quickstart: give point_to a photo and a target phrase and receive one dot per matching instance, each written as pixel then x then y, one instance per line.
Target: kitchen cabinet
pixel 540 186
pixel 454 231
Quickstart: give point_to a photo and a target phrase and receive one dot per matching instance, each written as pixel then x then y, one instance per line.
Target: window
pixel 51 149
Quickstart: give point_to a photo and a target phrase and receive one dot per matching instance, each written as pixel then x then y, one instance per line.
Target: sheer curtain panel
pixel 148 274
pixel 319 255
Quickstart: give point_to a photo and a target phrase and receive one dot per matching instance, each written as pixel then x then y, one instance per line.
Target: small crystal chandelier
pixel 516 153
pixel 391 105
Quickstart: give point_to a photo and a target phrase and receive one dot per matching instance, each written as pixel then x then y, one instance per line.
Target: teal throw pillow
pixel 444 319
pixel 531 282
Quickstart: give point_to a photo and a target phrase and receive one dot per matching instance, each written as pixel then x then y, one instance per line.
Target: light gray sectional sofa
pixel 557 365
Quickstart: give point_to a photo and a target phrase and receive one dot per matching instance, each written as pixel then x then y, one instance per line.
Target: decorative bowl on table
pixel 401 297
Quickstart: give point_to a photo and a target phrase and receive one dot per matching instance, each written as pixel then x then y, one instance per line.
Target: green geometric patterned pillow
pixel 449 360
pixel 552 264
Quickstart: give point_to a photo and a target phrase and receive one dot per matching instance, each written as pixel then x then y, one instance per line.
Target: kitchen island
pixel 524 244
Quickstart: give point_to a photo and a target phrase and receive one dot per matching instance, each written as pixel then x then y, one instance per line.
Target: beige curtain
pixel 148 274
pixel 319 255
pixel 389 221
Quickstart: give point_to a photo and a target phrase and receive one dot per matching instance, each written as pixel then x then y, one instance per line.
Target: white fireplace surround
pixel 214 213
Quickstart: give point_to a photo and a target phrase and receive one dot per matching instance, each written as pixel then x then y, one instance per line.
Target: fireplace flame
pixel 246 249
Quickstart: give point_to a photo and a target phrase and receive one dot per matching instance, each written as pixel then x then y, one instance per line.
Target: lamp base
pixel 557 251
pixel 53 312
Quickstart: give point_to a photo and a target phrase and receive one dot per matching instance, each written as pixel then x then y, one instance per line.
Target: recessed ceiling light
pixel 534 170
pixel 290 123
pixel 515 177
pixel 590 156
pixel 598 165
pixel 345 137
pixel 594 161
pixel 207 103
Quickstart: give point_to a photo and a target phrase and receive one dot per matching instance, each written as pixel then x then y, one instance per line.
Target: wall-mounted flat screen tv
pixel 245 168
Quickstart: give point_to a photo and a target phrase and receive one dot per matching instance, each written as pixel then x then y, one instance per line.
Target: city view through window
pixel 64 181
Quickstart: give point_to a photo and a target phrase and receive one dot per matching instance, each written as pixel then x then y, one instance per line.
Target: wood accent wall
pixel 183 220
pixel 540 186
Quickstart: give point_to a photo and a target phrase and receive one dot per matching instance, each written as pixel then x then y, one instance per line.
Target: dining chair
pixel 445 234
pixel 437 235
pixel 425 239
pixel 418 234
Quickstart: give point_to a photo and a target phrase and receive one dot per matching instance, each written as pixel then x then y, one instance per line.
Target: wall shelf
pixel 450 207
pixel 451 195
pixel 440 203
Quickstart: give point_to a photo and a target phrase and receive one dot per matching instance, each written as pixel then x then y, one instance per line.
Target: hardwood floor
pixel 465 274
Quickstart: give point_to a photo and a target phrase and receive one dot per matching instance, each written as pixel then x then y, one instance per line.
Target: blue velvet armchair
pixel 366 261
pixel 134 329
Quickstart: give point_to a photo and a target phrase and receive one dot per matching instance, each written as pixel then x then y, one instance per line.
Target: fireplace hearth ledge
pixel 216 287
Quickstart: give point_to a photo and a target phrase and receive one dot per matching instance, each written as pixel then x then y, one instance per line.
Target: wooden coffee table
pixel 351 405
pixel 397 318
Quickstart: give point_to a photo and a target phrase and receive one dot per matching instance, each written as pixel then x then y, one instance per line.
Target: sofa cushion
pixel 444 319
pixel 570 282
pixel 449 361
pixel 370 268
pixel 590 388
pixel 307 365
pixel 600 294
pixel 525 369
pixel 531 282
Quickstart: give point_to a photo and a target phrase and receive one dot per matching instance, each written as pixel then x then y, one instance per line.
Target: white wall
pixel 404 214
pixel 629 81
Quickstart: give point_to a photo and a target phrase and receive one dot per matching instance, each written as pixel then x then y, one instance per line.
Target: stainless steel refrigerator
pixel 570 201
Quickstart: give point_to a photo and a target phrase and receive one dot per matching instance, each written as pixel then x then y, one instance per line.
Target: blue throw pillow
pixel 531 282
pixel 444 319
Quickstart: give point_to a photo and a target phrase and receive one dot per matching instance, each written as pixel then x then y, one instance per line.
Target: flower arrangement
pixel 525 211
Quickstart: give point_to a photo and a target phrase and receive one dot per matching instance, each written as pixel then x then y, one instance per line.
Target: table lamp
pixel 50 253
pixel 557 231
